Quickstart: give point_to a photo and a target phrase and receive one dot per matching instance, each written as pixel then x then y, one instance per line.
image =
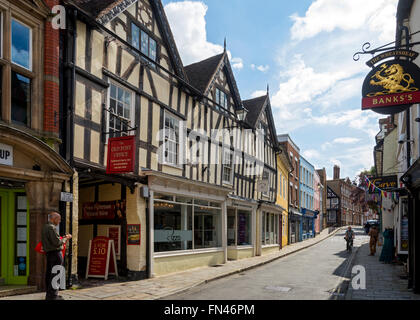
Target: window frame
pixel 132 108
pixel 144 31
pixel 166 115
pixel 31 46
pixel 225 151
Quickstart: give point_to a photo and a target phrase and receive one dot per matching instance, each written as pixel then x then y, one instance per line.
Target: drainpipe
pixel 70 63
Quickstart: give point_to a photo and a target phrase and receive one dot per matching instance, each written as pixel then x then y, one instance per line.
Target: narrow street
pixel 311 274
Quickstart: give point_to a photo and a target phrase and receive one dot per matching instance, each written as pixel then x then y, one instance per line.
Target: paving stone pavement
pixel 383 281
pixel 163 286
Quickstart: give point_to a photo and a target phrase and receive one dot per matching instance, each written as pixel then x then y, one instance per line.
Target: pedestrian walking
pixel 373 233
pixel 53 246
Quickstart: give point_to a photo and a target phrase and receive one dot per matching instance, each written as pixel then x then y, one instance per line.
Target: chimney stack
pixel 336 172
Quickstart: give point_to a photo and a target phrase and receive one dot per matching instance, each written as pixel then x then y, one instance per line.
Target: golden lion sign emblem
pixel 393 79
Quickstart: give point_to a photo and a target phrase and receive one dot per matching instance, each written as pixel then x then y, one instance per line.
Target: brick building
pixel 295 217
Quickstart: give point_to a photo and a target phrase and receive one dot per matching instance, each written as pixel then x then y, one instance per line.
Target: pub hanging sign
pixel 393 85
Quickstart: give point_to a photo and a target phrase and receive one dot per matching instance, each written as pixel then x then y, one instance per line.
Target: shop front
pixel 270 228
pixel 187 224
pixel 241 228
pixel 308 224
pixel 32 177
pixel 409 235
pixel 295 219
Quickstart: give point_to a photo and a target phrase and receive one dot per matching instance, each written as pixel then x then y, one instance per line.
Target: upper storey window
pixel 21 45
pixel 143 42
pixel 221 99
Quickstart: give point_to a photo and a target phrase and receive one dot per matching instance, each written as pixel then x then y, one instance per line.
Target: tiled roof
pixel 200 73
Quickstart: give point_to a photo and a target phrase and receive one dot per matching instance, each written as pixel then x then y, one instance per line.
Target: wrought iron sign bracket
pixel 130 128
pixel 387 47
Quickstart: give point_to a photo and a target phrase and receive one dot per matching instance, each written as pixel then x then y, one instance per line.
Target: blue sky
pixel 303 50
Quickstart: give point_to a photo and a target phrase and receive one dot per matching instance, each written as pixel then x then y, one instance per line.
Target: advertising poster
pixel 133 234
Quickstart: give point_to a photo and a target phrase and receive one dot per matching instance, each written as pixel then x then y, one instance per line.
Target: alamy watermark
pixel 59 19
pixel 358 281
pixel 59 279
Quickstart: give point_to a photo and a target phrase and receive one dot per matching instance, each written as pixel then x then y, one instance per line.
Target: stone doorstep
pixel 6 291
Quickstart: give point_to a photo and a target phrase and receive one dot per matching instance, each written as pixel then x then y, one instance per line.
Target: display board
pixel 101 259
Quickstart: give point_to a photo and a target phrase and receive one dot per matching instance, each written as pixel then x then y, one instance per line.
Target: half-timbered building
pixel 196 156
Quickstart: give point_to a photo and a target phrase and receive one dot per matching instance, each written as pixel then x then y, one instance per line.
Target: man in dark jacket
pixel 53 246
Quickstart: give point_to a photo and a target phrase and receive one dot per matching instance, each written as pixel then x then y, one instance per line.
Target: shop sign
pixel 106 210
pixel 66 197
pixel 6 154
pixel 386 183
pixel 133 234
pixel 392 86
pixel 121 153
pixel 101 259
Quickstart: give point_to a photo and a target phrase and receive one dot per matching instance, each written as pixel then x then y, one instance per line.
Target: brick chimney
pixel 336 172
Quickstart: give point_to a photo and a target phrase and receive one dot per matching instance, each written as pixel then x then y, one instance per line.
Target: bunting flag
pixel 375 190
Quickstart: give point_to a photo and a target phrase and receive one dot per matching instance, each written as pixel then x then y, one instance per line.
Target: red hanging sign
pixel 101 259
pixel 121 155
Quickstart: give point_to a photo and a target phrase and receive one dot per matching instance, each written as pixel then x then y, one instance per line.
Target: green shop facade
pixel 32 177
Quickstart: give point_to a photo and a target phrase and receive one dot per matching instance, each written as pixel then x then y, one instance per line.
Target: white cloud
pixel 258 93
pixel 346 140
pixel 311 154
pixel 237 63
pixel 261 68
pixel 329 15
pixel 188 24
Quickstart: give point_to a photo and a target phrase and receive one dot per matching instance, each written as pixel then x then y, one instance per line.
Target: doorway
pixel 14 235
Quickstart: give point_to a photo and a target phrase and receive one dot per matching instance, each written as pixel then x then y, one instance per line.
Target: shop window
pixel 173 227
pixel 231 227
pixel 121 111
pixel 227 166
pixel 21 99
pixel 186 224
pixel 206 228
pixel 21 44
pixel 171 143
pixel 244 228
pixel 143 42
pixel 270 229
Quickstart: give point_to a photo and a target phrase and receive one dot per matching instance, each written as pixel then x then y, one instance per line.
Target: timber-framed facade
pixel 200 196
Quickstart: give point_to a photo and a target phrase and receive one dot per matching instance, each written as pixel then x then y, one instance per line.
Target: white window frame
pixel 132 108
pixel 176 164
pixel 267 194
pixel 224 165
pixel 11 43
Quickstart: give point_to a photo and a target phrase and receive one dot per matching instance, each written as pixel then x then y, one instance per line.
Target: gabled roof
pixel 103 11
pixel 203 74
pixel 255 108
